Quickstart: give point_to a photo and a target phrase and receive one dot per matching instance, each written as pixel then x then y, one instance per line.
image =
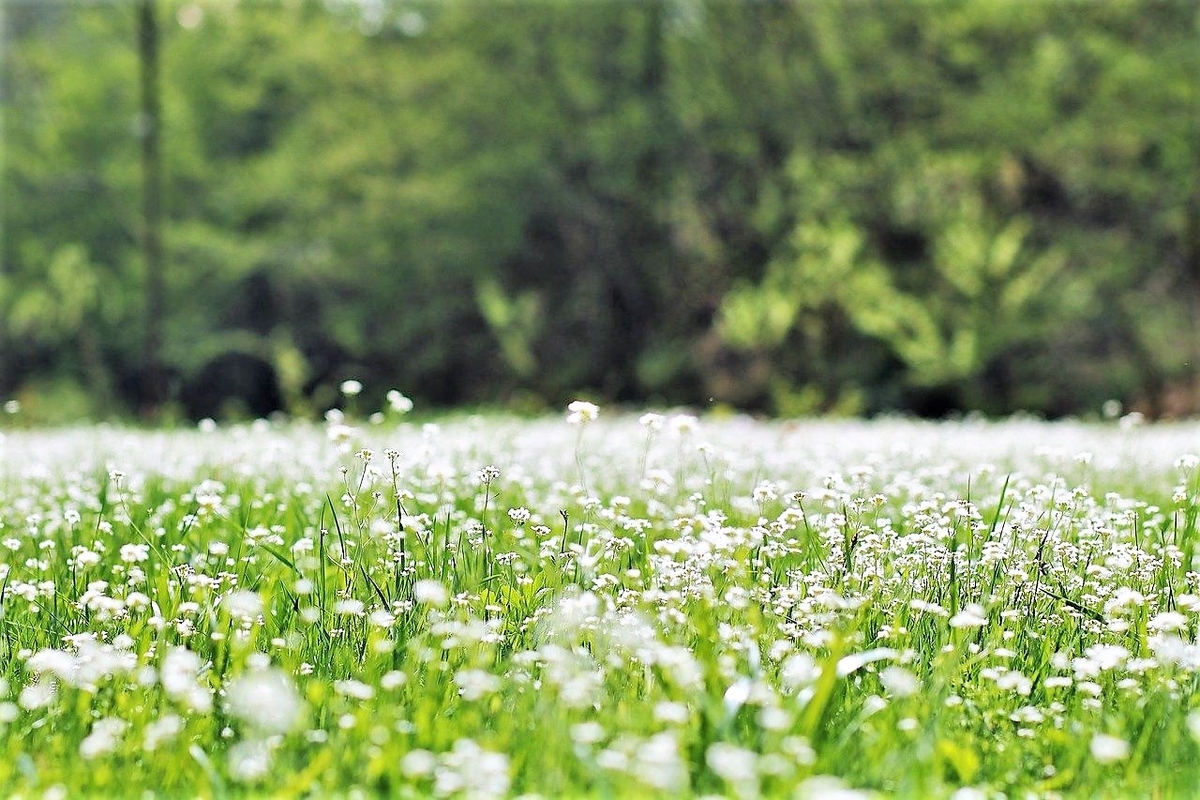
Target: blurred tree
pixel 149 124
pixel 791 206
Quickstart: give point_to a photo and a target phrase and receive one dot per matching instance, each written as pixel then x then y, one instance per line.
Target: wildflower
pixel 349 606
pixel 161 730
pixel 1124 598
pixel 587 733
pixel 242 604
pixel 659 763
pixel 766 491
pixel 853 663
pixel 799 670
pixel 266 699
pixel 417 763
pixel 667 711
pixel 249 761
pixel 474 684
pixel 37 695
pixel 972 616
pixel 398 402
pixel 393 680
pixel 430 592
pixel 899 681
pixel 651 421
pixel 827 787
pixel 487 474
pixel 356 690
pixel 351 388
pixel 684 424
pixel 581 412
pixel 340 434
pixel 733 763
pixel 382 619
pixel 1167 621
pixel 470 770
pixel 1109 749
pixel 104 738
pixel 1015 681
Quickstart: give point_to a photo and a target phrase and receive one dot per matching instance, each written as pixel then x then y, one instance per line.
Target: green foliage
pixel 673 199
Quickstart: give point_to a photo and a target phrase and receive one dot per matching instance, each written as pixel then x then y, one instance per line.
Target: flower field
pixel 601 606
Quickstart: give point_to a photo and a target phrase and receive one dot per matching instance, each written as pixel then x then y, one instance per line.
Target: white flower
pixel 684 424
pixel 487 474
pixel 249 760
pixel 1015 681
pixel 339 433
pixel 104 738
pixel 899 681
pixel 349 606
pixel 969 793
pixel 667 711
pixel 1109 749
pixel 827 787
pixel 587 733
pixel 731 762
pixel 659 764
pixel 799 670
pixel 430 592
pixel 37 695
pixel 973 616
pixel 581 412
pixel 398 402
pixel 351 388
pixel 354 689
pixel 470 770
pixel 265 699
pixel 161 730
pixel 651 421
pixel 1167 621
pixel 242 603
pixel 382 619
pixel 416 763
pixel 179 672
pixel 133 553
pixel 393 680
pixel 857 661
pixel 474 684
pixel 1123 598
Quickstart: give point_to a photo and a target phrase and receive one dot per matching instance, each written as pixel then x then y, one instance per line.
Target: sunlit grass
pixel 601 607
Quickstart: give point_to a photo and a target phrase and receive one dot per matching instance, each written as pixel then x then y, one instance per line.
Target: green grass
pixel 502 607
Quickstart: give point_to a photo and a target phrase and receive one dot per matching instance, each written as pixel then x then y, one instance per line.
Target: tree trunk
pixel 153 375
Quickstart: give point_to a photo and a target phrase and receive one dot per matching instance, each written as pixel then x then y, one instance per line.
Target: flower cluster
pixel 664 606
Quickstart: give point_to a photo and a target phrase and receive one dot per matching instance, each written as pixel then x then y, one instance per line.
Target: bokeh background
pixel 228 208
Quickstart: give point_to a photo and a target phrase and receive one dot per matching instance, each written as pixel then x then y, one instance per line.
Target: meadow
pixel 602 605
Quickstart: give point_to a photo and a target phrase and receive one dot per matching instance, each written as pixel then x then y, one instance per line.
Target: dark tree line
pixel 794 207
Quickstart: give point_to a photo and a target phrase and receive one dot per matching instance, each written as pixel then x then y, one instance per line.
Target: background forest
pixel 791 207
